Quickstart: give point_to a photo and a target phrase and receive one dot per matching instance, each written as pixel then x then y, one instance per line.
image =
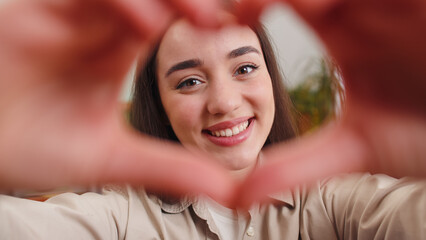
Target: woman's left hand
pixel 379 46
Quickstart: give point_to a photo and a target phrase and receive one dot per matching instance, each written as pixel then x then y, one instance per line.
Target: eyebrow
pixel 242 50
pixel 192 63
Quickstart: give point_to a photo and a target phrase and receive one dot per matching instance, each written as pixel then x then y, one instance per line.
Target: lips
pixel 230 133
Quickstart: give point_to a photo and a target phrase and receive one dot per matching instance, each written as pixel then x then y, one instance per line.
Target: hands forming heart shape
pixel 62 67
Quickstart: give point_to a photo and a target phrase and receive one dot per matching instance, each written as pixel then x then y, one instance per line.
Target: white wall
pixel 296 44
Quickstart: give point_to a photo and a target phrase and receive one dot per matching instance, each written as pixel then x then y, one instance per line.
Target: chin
pixel 234 164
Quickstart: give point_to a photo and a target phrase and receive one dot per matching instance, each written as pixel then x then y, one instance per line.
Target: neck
pixel 241 174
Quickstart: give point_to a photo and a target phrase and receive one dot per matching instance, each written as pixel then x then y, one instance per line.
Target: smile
pixel 230 133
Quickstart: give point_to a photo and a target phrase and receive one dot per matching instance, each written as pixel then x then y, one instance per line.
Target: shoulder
pixel 366 186
pixel 365 206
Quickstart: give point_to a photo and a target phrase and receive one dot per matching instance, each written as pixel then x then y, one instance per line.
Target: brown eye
pixel 246 69
pixel 188 83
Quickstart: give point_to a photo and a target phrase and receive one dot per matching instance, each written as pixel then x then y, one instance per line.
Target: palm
pixel 70 90
pixel 378 45
pixel 63 67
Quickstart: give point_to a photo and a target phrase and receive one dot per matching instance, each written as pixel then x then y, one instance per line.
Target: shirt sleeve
pixel 376 207
pixel 66 216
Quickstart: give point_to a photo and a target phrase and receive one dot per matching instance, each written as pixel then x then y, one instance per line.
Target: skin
pixel 60 89
pixel 220 89
pixel 62 67
pixel 379 47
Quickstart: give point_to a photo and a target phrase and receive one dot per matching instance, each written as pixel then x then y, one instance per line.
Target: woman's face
pixel 216 91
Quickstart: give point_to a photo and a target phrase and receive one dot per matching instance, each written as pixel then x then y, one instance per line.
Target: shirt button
pixel 250 231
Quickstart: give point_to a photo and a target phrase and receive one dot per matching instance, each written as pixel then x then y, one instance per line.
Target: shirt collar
pixel 176 206
pixel 283 197
pixel 181 205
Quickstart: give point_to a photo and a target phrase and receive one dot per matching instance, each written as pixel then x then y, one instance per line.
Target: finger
pixel 150 17
pixel 165 167
pixel 203 13
pixel 310 9
pixel 249 11
pixel 312 158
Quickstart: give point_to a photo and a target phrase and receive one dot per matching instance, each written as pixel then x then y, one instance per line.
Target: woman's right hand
pixel 62 66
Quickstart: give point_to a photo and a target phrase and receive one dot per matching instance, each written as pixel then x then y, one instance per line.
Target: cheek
pixel 184 114
pixel 267 98
pixel 263 96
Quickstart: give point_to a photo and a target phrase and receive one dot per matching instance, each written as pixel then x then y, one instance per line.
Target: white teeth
pixel 229 132
pixel 241 128
pixel 235 130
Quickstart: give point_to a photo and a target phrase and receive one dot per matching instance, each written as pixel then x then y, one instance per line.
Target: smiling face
pixel 216 91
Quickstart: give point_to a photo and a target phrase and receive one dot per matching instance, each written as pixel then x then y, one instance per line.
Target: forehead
pixel 184 41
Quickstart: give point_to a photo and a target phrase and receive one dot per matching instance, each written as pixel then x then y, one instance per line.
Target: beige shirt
pixel 346 207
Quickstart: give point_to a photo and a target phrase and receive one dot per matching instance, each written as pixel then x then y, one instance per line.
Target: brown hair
pixel 148 116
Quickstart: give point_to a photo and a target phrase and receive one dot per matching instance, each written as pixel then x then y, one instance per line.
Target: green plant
pixel 318 98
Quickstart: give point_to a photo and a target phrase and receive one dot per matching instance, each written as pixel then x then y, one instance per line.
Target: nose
pixel 224 96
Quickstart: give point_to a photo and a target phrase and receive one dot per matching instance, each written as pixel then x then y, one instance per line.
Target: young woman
pixel 221 93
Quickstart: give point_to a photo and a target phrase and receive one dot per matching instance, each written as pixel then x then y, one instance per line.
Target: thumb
pixel 330 151
pixel 165 167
